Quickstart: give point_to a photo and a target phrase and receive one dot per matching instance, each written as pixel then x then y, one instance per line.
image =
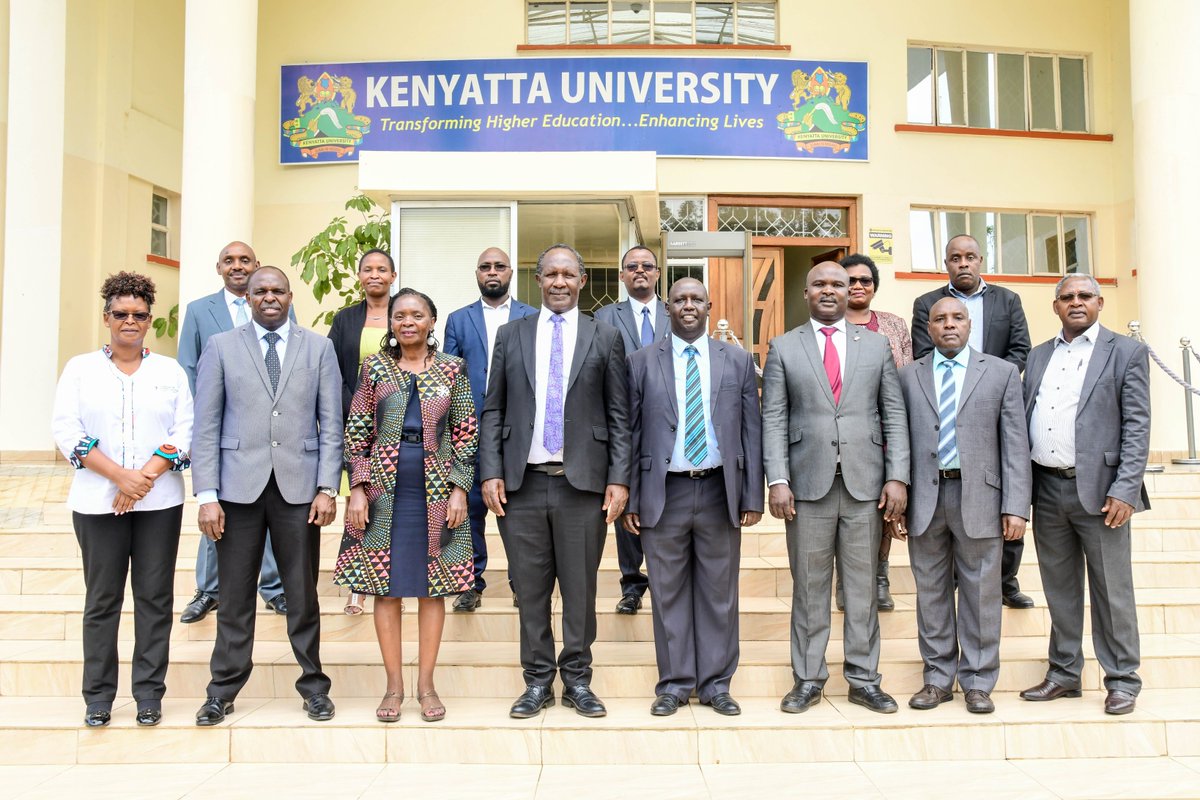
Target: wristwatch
pixel 330 493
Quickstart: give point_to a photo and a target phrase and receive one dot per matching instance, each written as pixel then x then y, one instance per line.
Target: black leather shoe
pixel 872 697
pixel 319 707
pixel 278 604
pixel 629 604
pixel 516 602
pixel 979 702
pixel 97 715
pixel 1017 600
pixel 200 607
pixel 665 705
pixel 803 696
pixel 149 716
pixel 581 698
pixel 723 704
pixel 213 711
pixel 531 702
pixel 929 697
pixel 883 588
pixel 468 601
pixel 1049 690
pixel 1119 702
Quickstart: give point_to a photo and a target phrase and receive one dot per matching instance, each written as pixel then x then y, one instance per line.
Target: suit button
pixel 531 426
pixel 672 429
pixel 936 427
pixel 834 443
pixel 934 481
pixel 274 444
pixel 933 455
pixel 668 461
pixel 274 413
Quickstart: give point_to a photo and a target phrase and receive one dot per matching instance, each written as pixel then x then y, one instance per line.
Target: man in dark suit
pixel 471 335
pixel 1087 400
pixel 267 453
pixel 642 321
pixel 969 493
pixel 830 399
pixel 998 328
pixel 206 317
pixel 555 487
pixel 697 480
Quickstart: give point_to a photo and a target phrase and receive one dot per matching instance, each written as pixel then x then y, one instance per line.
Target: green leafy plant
pixel 328 262
pixel 167 326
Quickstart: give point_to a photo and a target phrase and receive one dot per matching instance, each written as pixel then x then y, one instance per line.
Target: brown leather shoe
pixel 1049 690
pixel 929 697
pixel 1119 702
pixel 979 702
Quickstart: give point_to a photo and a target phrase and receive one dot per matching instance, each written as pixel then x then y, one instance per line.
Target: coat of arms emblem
pixel 325 124
pixel 821 115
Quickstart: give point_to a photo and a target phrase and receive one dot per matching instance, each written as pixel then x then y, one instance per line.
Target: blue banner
pixel 718 107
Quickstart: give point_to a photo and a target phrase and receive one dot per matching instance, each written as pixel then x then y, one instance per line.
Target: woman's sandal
pixel 431 713
pixel 389 707
pixel 354 604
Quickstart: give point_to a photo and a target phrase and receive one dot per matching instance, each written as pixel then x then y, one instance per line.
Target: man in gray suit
pixel 969 493
pixel 642 321
pixel 697 451
pixel 267 453
pixel 830 399
pixel 1087 399
pixel 205 317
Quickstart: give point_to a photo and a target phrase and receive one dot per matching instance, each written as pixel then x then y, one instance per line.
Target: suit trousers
pixel 630 554
pixel 692 557
pixel 553 531
pixel 141 545
pixel 208 582
pixel 239 552
pixel 962 643
pixel 1010 565
pixel 477 514
pixel 1068 540
pixel 851 528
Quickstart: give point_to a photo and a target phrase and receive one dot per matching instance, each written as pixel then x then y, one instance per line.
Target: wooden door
pixel 836 254
pixel 727 292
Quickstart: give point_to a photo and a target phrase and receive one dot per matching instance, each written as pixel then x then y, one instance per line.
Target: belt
pixel 552 468
pixel 950 474
pixel 695 474
pixel 412 437
pixel 1062 472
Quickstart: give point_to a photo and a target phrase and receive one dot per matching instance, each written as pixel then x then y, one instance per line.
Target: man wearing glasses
pixel 998 329
pixel 642 321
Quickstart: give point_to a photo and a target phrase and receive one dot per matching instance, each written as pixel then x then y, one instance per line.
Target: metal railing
pixel 1185 344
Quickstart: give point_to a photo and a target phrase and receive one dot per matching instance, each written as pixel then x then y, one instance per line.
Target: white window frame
pixel 939 246
pixel 166 229
pixel 650 11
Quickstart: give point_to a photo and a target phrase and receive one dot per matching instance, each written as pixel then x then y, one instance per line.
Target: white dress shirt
pixel 679 461
pixel 839 342
pixel 1052 424
pixel 131 416
pixel 545 330
pixel 493 318
pixel 231 304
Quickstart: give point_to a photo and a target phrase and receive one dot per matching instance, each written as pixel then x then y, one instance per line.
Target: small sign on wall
pixel 879 245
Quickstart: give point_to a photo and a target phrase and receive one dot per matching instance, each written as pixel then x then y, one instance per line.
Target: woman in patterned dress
pixel 411 437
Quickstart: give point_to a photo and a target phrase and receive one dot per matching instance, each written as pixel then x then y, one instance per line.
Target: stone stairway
pixel 41 602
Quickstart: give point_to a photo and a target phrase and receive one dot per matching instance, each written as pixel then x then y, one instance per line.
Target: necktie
pixel 947 411
pixel 695 444
pixel 647 328
pixel 242 317
pixel 272 359
pixel 552 430
pixel 833 365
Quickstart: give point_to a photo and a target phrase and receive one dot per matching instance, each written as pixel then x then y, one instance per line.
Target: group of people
pixel 561 424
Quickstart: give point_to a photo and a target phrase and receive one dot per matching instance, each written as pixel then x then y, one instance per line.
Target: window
pixel 792 221
pixel 682 214
pixel 159 226
pixel 987 89
pixel 1012 242
pixel 660 22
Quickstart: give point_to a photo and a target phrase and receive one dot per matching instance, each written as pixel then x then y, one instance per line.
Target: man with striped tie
pixel 969 493
pixel 697 448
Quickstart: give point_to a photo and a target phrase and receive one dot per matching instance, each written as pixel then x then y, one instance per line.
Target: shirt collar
pixel 679 345
pixel 570 317
pixel 978 290
pixel 231 298
pixel 283 330
pixel 961 360
pixel 840 325
pixel 506 305
pixel 638 305
pixel 1090 335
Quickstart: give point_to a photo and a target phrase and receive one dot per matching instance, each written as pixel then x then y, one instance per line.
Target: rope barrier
pixel 1135 331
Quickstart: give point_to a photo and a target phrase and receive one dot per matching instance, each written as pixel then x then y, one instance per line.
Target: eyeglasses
pixel 121 316
pixel 645 266
pixel 868 281
pixel 1083 297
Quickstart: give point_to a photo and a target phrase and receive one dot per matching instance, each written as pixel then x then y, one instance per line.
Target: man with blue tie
pixel 642 321
pixel 471 335
pixel 205 317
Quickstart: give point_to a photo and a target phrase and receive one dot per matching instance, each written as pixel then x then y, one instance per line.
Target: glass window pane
pixel 158 242
pixel 714 23
pixel 1010 91
pixel 1045 244
pixel 953 223
pixel 1014 244
pixel 1041 92
pixel 1077 252
pixel 756 23
pixel 158 210
pixel 630 23
pixel 920 85
pixel 589 23
pixel 981 89
pixel 920 231
pixel 672 23
pixel 982 225
pixel 1072 94
pixel 819 223
pixel 950 88
pixel 547 23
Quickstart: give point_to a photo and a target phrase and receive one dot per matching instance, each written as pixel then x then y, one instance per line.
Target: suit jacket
pixel 596 407
pixel 733 412
pixel 1005 332
pixel 993 445
pixel 243 434
pixel 620 316
pixel 1112 421
pixel 346 335
pixel 803 427
pixel 466 337
pixel 203 318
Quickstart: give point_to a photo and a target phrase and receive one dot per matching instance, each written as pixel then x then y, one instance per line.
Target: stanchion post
pixel 1135 332
pixel 1185 344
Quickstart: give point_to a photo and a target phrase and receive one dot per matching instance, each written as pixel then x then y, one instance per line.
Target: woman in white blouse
pixel 123 417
